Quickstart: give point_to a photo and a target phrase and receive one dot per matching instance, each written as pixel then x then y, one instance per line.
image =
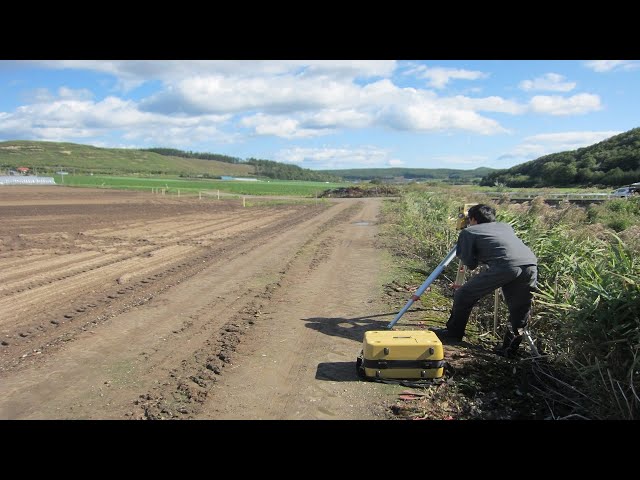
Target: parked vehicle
pixel 628 191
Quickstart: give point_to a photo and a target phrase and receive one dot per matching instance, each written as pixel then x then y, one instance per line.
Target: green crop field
pixel 191 186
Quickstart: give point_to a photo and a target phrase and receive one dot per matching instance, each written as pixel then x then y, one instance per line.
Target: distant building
pixel 26 180
pixel 23 170
pixel 227 177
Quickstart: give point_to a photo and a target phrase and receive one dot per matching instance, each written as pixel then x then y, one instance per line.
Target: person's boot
pixel 446 334
pixel 510 344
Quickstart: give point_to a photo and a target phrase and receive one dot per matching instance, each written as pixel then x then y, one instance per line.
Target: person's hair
pixel 482 213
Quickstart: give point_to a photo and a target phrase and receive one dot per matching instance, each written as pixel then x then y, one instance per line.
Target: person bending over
pixel 512 267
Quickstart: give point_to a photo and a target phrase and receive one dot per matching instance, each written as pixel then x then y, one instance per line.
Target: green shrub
pixel 593 309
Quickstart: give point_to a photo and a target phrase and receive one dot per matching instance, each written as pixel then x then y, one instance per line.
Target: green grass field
pixel 192 187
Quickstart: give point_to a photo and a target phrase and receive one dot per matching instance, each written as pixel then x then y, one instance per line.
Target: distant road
pixel 553 198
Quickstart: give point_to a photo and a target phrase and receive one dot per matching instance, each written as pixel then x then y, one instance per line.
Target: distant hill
pixel 46 158
pixel 446 175
pixel 174 152
pixel 263 168
pixel 612 162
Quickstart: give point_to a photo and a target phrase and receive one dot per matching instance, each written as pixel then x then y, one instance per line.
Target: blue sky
pixel 326 114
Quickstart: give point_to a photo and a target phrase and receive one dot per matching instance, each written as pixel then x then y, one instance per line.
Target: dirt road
pixel 122 305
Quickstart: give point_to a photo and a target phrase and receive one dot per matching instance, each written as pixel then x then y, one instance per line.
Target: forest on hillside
pixel 446 175
pixel 612 162
pixel 173 152
pixel 262 168
pixel 286 171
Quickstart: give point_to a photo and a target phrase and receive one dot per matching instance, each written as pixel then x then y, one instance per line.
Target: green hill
pixel 447 175
pixel 612 162
pixel 48 157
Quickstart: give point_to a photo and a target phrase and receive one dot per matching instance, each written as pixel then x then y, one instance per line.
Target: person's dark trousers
pixel 518 296
pixel 517 285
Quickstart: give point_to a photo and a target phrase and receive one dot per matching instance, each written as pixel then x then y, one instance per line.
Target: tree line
pixel 445 175
pixel 172 152
pixel 285 171
pixel 263 168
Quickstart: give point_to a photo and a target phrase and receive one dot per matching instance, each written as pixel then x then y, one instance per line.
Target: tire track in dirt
pixel 131 341
pixel 300 362
pixel 147 235
pixel 31 313
pixel 183 395
pixel 25 273
pixel 163 231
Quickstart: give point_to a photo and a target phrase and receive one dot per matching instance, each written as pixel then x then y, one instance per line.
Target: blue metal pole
pixel 438 270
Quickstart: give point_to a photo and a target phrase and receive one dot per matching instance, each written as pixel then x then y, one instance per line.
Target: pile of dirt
pixel 360 192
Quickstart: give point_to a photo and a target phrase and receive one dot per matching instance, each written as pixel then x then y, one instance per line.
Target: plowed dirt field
pixel 127 305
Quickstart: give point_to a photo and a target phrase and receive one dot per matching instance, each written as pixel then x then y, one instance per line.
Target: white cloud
pixel 75 94
pixel 439 77
pixel 609 65
pixel 287 99
pixel 536 146
pixel 280 127
pixel 291 107
pixel 224 94
pixel 175 135
pixel 549 81
pixel 334 118
pixel 432 116
pixel 43 95
pixel 557 105
pixel 132 73
pixel 64 119
pixel 487 104
pixel 352 68
pixel 571 139
pixel 334 158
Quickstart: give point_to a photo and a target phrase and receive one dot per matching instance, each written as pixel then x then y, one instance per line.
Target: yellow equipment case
pixel 401 354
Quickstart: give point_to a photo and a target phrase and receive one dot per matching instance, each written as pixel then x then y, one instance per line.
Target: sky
pixel 326 114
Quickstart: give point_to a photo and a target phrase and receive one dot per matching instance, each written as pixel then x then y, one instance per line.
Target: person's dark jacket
pixel 495 244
